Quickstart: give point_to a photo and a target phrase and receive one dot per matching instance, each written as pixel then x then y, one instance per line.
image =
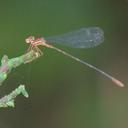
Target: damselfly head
pixel 30 39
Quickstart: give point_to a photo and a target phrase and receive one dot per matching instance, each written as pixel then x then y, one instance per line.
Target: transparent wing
pixel 81 38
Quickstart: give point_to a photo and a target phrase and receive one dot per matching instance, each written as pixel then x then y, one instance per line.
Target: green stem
pixel 8 64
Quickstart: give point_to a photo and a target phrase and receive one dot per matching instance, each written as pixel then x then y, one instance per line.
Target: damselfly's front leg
pixel 30 48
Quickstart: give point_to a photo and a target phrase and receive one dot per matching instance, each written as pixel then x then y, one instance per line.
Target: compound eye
pixel 30 39
pixel 27 40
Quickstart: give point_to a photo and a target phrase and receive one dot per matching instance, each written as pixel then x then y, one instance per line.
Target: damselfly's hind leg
pixel 41 53
pixel 37 50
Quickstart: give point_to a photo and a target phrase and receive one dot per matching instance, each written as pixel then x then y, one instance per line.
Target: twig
pixel 6 66
pixel 8 100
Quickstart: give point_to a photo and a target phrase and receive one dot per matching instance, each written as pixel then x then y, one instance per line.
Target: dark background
pixel 62 92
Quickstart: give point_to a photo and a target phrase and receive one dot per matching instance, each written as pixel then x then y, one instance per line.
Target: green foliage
pixel 6 66
pixel 8 100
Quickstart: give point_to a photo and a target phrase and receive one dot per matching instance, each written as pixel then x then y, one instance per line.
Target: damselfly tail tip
pixel 117 82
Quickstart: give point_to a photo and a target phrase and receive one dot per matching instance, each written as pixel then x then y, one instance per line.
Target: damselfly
pixel 82 38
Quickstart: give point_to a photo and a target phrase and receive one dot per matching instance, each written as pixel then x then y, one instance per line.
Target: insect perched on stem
pixel 82 38
pixel 34 43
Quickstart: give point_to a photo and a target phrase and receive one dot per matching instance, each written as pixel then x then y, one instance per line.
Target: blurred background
pixel 64 93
